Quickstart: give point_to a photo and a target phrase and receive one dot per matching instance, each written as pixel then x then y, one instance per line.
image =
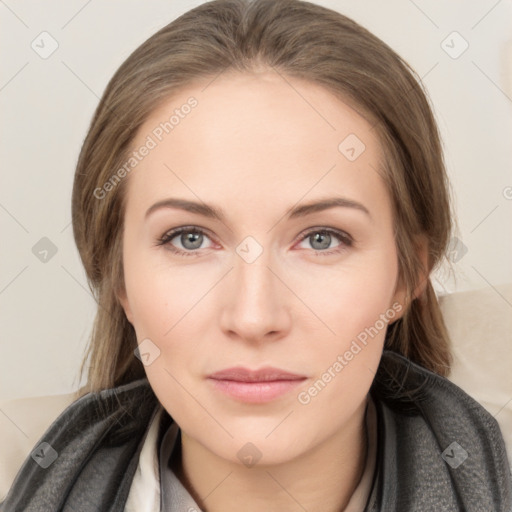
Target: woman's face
pixel 260 276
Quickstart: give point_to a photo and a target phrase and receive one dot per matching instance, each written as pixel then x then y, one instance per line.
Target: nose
pixel 256 306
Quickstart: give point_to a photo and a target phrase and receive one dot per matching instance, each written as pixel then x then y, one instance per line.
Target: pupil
pixel 192 237
pixel 318 237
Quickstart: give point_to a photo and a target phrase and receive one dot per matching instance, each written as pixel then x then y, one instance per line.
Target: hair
pixel 298 39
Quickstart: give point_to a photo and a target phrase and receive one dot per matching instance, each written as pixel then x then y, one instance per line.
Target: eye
pixel 320 239
pixel 190 237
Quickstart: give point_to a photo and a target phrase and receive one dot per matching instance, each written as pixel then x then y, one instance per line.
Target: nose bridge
pixel 255 305
pixel 252 273
pixel 254 283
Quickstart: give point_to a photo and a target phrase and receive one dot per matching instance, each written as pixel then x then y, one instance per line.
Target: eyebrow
pixel 293 213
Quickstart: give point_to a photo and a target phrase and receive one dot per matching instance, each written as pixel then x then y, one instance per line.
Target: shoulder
pixel 480 329
pixel 442 442
pixel 22 422
pixel 104 426
pixel 411 391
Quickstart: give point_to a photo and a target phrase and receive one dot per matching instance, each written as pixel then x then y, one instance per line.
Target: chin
pixel 251 448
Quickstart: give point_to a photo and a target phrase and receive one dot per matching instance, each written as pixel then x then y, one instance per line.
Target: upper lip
pixel 266 374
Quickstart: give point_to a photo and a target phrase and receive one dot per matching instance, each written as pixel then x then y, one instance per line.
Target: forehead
pixel 255 135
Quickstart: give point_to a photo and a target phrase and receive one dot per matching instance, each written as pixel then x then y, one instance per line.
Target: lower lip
pixel 255 392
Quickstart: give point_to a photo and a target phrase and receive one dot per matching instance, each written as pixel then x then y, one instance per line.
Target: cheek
pixel 346 359
pixel 163 303
pixel 160 294
pixel 149 304
pixel 356 304
pixel 353 297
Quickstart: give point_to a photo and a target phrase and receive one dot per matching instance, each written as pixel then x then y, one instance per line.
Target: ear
pixel 123 300
pixel 422 275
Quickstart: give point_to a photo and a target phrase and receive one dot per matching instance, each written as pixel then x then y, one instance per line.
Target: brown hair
pixel 298 39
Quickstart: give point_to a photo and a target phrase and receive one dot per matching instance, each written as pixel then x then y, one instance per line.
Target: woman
pixel 258 204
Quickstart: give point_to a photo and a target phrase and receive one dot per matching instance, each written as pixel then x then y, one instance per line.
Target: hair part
pixel 297 39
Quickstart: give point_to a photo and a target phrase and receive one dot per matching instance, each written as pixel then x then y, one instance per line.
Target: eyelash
pixel 345 239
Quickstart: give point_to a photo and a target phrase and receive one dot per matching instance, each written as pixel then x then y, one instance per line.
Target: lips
pixel 240 374
pixel 255 386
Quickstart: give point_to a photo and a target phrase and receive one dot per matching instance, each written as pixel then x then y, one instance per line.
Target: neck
pixel 321 479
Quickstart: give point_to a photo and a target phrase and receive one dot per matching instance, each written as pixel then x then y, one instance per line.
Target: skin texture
pixel 255 147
